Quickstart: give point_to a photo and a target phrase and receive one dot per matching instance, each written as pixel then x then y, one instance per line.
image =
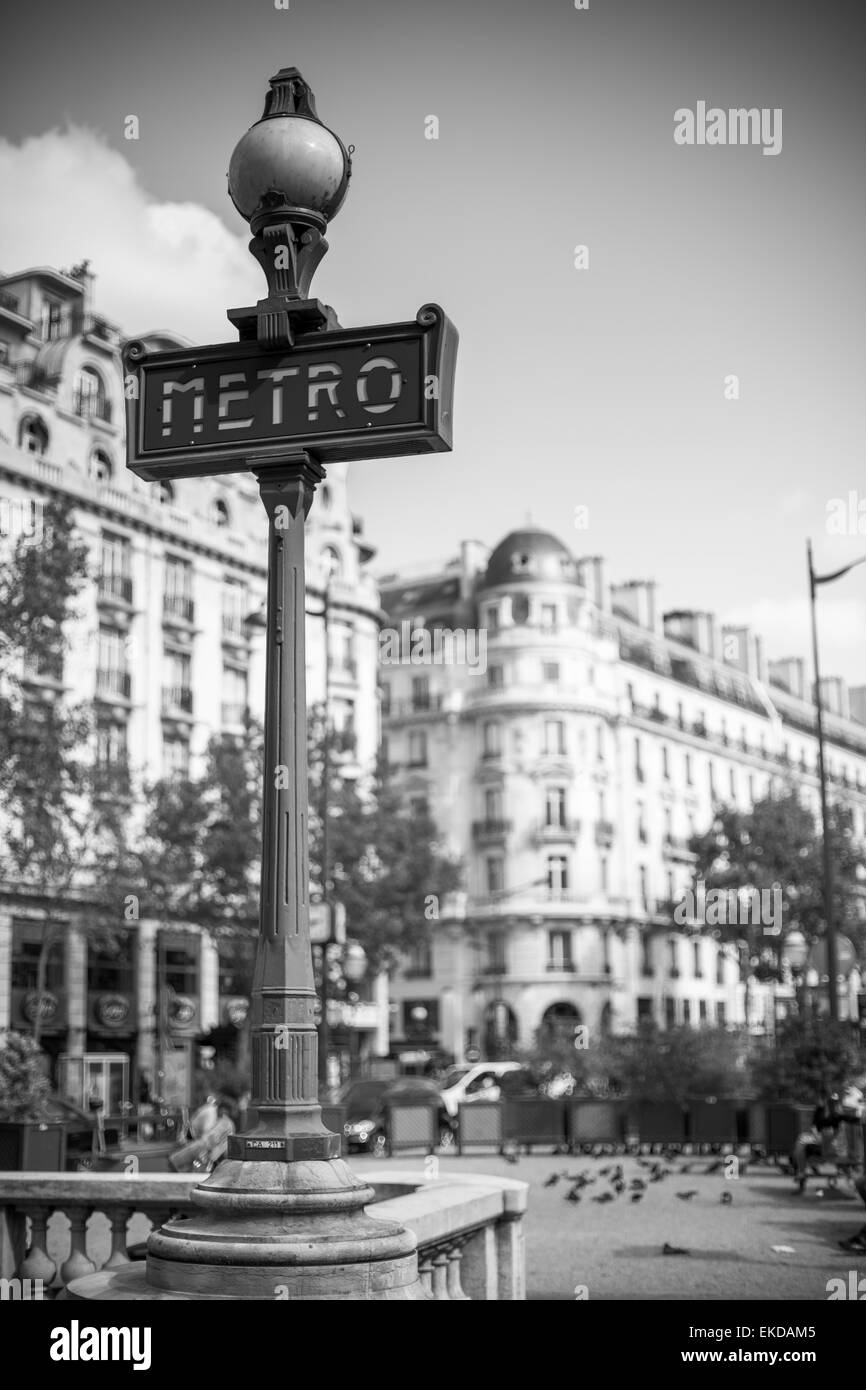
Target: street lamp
pixel 829 905
pixel 282 1210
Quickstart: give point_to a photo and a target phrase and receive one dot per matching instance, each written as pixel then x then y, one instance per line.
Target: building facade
pixel 169 651
pixel 570 766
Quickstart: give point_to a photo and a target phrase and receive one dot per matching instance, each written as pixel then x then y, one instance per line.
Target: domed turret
pixel 530 555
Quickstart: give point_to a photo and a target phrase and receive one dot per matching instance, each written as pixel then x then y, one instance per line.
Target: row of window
pixel 114 967
pixel 561 956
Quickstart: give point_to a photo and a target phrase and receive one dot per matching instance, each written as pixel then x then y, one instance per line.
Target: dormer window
pixel 523 563
pixel 100 467
pixel 90 402
pixel 53 323
pixel 33 436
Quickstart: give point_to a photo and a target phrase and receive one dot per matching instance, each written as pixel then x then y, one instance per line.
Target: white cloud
pixel 70 196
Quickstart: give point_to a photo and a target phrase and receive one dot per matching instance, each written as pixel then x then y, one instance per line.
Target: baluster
pixel 425 1268
pixel 455 1288
pixel 36 1263
pixel 77 1265
pixel 119 1218
pixel 440 1275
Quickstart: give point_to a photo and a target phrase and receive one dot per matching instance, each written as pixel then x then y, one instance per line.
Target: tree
pixel 809 1056
pixel 388 866
pixel 776 847
pixel 61 841
pixel 200 849
pixel 24 1087
pixel 675 1064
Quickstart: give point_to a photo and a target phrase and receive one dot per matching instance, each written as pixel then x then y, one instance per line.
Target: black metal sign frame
pixel 355 393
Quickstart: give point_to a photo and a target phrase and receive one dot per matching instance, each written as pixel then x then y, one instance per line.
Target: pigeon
pixel 573 1195
pixel 604 1171
pixel 685 1168
pixel 687 1196
pixel 726 1199
pixel 637 1185
pixel 674 1250
pixel 656 1177
pixel 616 1175
pixel 619 1187
pixel 637 1196
pixel 552 1180
pixel 714 1167
pixel 510 1157
pixel 605 1197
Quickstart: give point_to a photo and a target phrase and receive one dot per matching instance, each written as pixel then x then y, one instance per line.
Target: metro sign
pixel 344 394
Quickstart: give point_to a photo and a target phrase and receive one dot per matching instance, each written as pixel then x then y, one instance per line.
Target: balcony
pixel 178 608
pixel 232 713
pixel 560 832
pixel 561 967
pixel 487 832
pixel 494 967
pixel 604 833
pixel 114 588
pixel 111 682
pixel 407 709
pixel 176 700
pixel 677 848
pixel 233 628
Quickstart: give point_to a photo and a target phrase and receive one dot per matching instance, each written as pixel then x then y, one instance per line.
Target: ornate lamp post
pixel 283 1215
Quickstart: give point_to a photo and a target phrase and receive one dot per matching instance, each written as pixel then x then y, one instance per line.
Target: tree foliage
pixel 777 845
pixel 24 1086
pixel 675 1064
pixel 808 1056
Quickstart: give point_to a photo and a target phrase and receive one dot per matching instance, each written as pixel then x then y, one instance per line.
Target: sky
pixel 602 388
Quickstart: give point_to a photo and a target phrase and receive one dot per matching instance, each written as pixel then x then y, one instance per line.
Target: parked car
pixel 478 1081
pixel 366 1103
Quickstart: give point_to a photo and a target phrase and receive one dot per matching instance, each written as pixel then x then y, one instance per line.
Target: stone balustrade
pixel 57 1227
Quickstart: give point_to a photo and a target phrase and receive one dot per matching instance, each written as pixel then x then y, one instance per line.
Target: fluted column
pixel 284 1040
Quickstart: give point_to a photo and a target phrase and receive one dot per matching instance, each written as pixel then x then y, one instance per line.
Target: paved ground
pixel 615 1248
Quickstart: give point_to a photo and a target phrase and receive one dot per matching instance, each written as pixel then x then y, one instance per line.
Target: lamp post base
pixel 280 1231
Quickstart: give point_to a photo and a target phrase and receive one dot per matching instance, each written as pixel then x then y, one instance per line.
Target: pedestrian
pixel 822 1140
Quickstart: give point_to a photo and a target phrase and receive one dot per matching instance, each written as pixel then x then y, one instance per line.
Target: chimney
pixel 744 650
pixel 636 600
pixel 789 674
pixel 590 576
pixel 473 561
pixel 857 702
pixel 694 629
pixel 834 696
